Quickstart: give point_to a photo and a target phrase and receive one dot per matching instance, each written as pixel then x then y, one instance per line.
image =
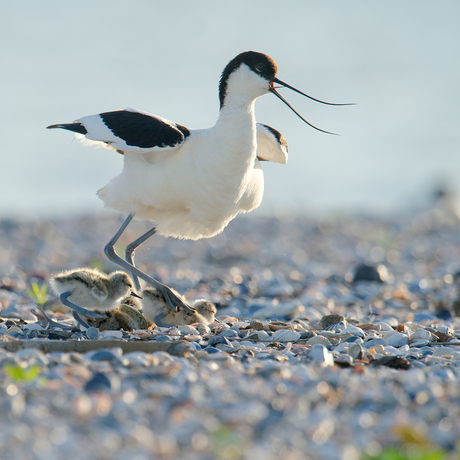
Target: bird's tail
pixel 76 127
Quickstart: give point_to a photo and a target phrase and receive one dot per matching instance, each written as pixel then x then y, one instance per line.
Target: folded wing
pixel 271 144
pixel 129 130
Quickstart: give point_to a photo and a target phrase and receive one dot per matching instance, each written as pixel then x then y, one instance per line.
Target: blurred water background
pixel 397 60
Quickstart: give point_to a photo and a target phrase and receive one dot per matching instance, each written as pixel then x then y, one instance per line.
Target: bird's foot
pixel 80 320
pixel 175 303
pixel 159 320
pixel 47 322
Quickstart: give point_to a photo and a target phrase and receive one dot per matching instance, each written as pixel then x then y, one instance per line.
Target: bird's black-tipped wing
pixel 271 144
pixel 129 130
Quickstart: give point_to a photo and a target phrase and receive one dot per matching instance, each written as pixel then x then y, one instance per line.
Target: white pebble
pixel 397 340
pixel 318 340
pixel 321 355
pixel 285 334
pixel 111 335
pixel 353 330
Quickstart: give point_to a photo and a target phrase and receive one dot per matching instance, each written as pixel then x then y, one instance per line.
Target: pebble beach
pixel 335 338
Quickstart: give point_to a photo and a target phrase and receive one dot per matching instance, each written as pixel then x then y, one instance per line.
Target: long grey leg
pixel 65 301
pixel 174 303
pixel 129 254
pixel 158 320
pixel 80 320
pixel 48 322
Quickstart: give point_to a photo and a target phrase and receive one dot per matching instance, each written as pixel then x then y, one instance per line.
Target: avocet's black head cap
pixel 258 62
pixel 264 66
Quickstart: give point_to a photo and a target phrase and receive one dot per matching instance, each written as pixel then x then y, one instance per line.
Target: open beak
pixel 279 82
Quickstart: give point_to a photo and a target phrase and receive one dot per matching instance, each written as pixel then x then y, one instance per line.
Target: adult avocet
pixel 190 182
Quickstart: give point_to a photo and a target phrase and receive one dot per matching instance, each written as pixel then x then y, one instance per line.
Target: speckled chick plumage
pixel 153 304
pixel 126 316
pixel 92 289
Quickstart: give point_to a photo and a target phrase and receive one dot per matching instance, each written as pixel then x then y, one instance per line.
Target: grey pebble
pixel 331 320
pixel 397 340
pixel 163 338
pixel 356 351
pixel 103 355
pixel 228 333
pixel 365 272
pixel 92 333
pixel 356 331
pixel 98 382
pixel 321 355
pixel 218 339
pixel 374 342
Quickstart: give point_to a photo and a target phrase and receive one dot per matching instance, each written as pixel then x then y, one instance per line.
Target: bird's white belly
pixel 185 197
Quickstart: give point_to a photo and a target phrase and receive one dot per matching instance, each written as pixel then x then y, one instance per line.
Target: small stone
pixel 330 320
pixel 13 331
pixel 423 317
pixel 98 382
pixel 283 335
pixel 374 342
pixel 397 340
pixel 344 361
pixel 384 326
pixel 419 342
pixel 92 333
pixel 396 362
pixel 229 333
pixel 256 326
pixel 259 335
pixel 186 329
pixel 354 330
pixel 444 314
pixel 356 351
pixel 275 326
pixel 443 336
pixel 202 328
pixel 111 335
pixel 307 334
pixel 321 355
pixel 224 347
pixel 163 338
pixel 422 334
pixel 218 340
pixel 137 358
pixel 443 351
pixel 370 327
pixel 319 340
pixel 352 339
pixel 32 356
pixel 103 355
pixel 33 327
pixel 341 347
pixel 365 272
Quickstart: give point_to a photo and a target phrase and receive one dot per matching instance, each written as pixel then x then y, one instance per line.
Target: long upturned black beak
pixel 279 82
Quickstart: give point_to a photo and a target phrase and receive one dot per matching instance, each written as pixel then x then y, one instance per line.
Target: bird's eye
pixel 260 67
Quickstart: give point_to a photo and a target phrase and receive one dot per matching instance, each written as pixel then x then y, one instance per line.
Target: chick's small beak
pixel 134 294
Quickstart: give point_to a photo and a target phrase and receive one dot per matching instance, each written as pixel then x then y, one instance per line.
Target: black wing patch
pixel 279 137
pixel 140 130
